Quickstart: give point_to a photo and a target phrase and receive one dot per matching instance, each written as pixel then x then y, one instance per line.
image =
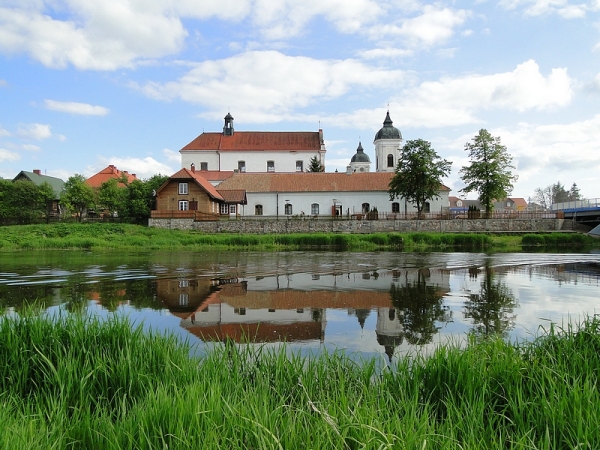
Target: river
pixel 367 303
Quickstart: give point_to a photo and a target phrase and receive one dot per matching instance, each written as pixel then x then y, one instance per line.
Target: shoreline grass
pixel 135 237
pixel 78 382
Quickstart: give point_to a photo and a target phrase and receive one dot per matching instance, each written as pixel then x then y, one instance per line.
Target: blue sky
pixel 84 83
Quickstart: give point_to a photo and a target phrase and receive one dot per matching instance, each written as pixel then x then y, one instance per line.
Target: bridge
pixel 584 212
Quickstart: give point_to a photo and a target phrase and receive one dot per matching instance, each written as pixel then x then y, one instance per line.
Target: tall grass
pixel 78 382
pixel 135 237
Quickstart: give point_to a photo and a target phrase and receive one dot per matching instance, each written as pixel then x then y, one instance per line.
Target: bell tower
pixel 228 127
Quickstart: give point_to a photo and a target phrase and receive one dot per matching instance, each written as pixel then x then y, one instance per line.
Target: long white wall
pixel 273 204
pixel 255 161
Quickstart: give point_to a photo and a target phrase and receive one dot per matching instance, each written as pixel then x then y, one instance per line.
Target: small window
pixel 390 160
pixel 258 210
pixel 224 208
pixel 427 207
pixel 183 188
pixel 183 283
pixel 288 208
pixel 242 166
pixel 203 166
pixel 299 166
pixel 231 209
pixel 314 209
pixel 183 205
pixel 459 203
pixel 184 299
pixel 362 169
pixel 270 166
pixel 395 207
pixel 365 208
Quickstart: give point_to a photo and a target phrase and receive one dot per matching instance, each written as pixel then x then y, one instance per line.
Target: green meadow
pixel 134 237
pixel 82 383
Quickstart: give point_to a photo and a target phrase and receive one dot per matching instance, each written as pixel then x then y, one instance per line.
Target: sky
pixel 86 83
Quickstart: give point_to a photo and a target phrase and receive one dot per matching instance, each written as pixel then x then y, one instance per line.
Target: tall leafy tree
pixel 490 171
pixel 419 174
pixel 556 193
pixel 314 165
pixel 77 195
pixel 112 196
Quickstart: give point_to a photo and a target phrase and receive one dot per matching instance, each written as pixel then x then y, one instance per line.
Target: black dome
pixel 389 131
pixel 360 156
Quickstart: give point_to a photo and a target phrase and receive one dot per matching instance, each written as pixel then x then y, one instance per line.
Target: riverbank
pixel 83 383
pixel 111 236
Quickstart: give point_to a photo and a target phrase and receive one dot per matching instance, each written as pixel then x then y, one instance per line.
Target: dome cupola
pixel 389 131
pixel 360 156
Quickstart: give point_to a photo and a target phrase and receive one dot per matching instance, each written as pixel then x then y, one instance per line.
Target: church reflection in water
pixel 408 305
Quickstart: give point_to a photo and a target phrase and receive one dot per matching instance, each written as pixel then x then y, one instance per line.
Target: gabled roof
pixel 311 182
pixel 56 183
pixel 519 202
pixel 186 174
pixel 258 141
pixel 108 173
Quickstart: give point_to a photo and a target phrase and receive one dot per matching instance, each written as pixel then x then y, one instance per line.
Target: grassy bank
pixel 134 237
pixel 85 384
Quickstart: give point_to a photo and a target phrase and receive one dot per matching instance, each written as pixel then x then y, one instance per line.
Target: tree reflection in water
pixel 491 310
pixel 420 307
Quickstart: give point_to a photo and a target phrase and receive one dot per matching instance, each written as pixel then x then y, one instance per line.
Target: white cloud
pixel 76 108
pixel 172 156
pixel 36 131
pixel 143 168
pixel 541 7
pixel 434 26
pixel 6 155
pixel 386 53
pixel 269 84
pixel 4 132
pixel 30 147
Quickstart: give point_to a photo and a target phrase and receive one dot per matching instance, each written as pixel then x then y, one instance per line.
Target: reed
pixel 82 382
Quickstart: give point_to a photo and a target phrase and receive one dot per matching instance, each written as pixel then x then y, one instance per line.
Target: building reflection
pixel 293 308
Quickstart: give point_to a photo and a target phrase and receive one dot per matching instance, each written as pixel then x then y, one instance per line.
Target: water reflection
pixel 492 308
pixel 381 303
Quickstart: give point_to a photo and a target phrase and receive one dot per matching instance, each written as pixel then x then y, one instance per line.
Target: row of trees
pixel 24 201
pixel 556 193
pixel 420 170
pixel 131 202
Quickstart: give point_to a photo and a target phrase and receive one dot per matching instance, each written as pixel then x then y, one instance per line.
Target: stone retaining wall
pixel 282 226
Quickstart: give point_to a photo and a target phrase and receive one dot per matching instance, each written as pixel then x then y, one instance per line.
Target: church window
pixel 390 160
pixel 314 209
pixel 288 208
pixel 427 207
pixel 242 166
pixel 299 166
pixel 395 207
pixel 203 166
pixel 258 210
pixel 270 166
pixel 365 208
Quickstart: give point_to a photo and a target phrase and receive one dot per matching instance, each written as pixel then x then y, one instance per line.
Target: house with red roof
pixel 253 151
pixel 108 173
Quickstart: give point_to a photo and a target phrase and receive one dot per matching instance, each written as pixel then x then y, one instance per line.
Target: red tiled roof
pixel 186 174
pixel 216 175
pixel 106 174
pixel 519 202
pixel 234 196
pixel 258 141
pixel 310 182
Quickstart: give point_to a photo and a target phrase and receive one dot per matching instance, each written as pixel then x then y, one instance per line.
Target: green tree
pixel 314 165
pixel 489 173
pixel 112 196
pixel 556 193
pixel 141 198
pixel 77 195
pixel 418 174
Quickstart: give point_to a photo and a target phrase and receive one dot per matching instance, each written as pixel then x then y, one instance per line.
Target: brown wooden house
pixel 188 195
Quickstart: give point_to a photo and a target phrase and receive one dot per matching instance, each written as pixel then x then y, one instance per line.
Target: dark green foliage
pixel 557 240
pixel 419 174
pixel 490 170
pixel 315 165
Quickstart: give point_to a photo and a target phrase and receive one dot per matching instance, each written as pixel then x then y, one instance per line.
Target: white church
pixel 271 169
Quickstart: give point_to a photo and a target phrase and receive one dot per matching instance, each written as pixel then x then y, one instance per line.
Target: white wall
pixel 285 161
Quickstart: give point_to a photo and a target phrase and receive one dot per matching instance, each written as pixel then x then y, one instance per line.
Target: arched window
pixel 395 207
pixel 365 208
pixel 314 209
pixel 390 159
pixel 288 208
pixel 258 210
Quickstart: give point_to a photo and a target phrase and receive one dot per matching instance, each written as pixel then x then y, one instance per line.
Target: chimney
pixel 37 171
pixel 193 168
pixel 348 170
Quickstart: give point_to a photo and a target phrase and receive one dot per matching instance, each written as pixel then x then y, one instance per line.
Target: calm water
pixel 370 303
